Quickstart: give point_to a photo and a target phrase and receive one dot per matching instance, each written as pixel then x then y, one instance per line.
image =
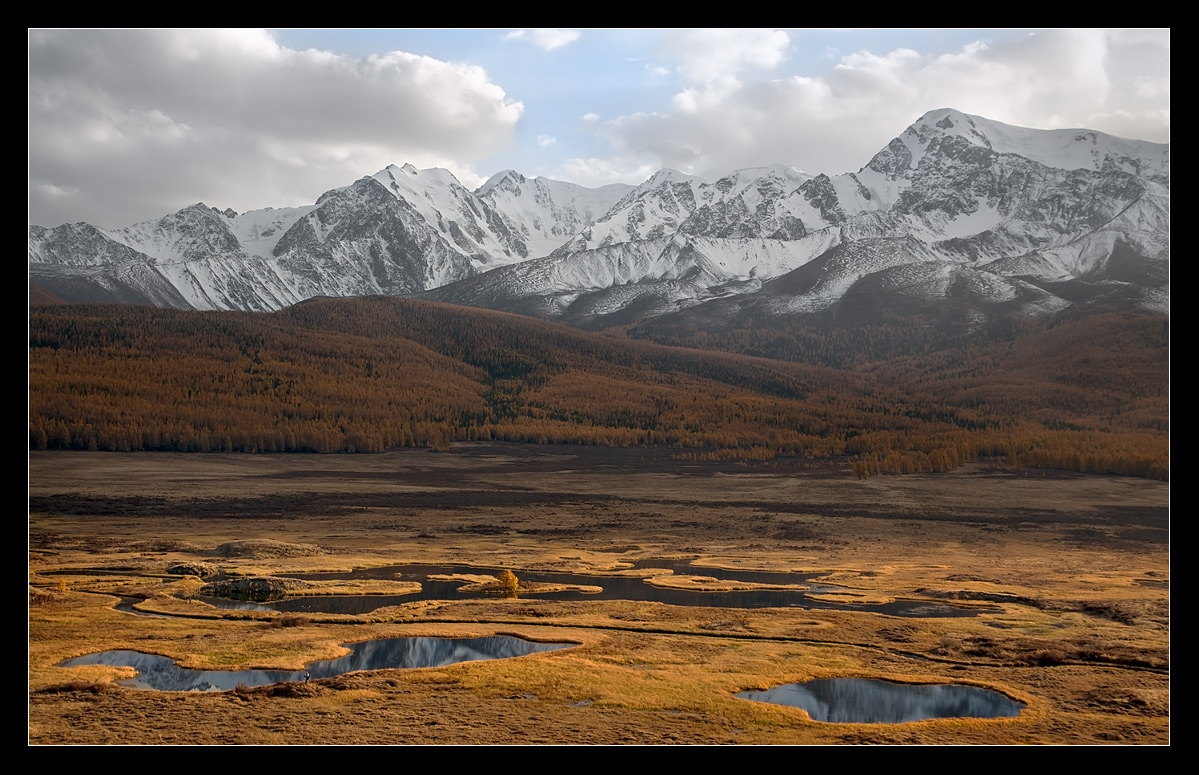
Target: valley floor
pixel 1072 571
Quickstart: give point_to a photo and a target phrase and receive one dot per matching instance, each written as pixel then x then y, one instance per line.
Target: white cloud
pixel 729 117
pixel 1153 87
pixel 544 38
pixel 143 122
pixel 709 55
pixel 595 172
pixel 128 125
pixel 48 189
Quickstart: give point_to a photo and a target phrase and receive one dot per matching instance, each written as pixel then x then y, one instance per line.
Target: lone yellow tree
pixel 508 583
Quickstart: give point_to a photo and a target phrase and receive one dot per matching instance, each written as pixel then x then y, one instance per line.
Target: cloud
pixel 1153 87
pixel 544 38
pixel 545 141
pixel 728 114
pixel 706 56
pixel 594 172
pixel 140 123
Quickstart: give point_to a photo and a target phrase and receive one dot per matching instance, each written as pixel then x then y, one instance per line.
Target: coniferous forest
pixel 1087 394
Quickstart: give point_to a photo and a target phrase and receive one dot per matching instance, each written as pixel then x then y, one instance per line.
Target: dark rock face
pixel 820 194
pixel 892 161
pixel 365 240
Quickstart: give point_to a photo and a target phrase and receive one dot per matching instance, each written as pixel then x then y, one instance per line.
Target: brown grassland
pixel 1076 564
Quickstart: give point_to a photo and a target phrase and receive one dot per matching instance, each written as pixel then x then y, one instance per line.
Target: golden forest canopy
pixel 370 374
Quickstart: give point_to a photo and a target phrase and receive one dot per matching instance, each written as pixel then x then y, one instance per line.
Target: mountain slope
pixel 957 213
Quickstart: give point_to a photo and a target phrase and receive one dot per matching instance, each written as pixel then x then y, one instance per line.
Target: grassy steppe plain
pixel 1078 564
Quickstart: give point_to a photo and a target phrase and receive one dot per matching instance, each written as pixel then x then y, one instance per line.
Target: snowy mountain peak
pixel 506 179
pixel 1065 149
pixel 948 122
pixel 667 175
pixel 427 177
pixel 934 133
pixel 776 176
pixel 199 208
pixel 1077 149
pixel 952 196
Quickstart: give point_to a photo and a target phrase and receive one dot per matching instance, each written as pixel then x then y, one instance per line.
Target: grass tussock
pixel 1040 652
pixel 289 689
pixel 291 621
pixel 38 597
pixel 71 687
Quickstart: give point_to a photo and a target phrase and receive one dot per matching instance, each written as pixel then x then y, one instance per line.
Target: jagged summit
pixel 504 178
pixel 668 175
pixel 957 212
pixel 1067 149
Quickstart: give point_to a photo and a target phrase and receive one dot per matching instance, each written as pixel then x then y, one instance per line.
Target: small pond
pixel 866 701
pixel 613 588
pixel 162 674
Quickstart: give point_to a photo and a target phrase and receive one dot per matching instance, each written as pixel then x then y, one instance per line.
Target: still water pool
pixel 861 700
pixel 162 674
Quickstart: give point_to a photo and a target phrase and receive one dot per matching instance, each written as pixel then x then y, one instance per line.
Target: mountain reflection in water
pixel 860 700
pixel 162 674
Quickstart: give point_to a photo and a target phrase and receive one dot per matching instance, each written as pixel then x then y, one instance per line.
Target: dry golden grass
pixel 709 584
pixel 1077 569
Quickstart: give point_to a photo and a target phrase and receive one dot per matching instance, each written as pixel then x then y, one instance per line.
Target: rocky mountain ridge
pixel 957 211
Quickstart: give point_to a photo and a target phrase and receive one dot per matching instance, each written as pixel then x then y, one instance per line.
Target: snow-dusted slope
pixel 401 230
pixel 466 222
pixel 190 258
pixel 651 211
pixel 1065 149
pixel 546 212
pixel 983 191
pixel 956 210
pixel 259 231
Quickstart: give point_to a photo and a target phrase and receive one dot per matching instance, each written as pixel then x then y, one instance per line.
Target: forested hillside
pixel 369 374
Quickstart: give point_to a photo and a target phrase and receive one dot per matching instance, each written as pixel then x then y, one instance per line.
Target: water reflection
pixel 162 674
pixel 613 588
pixel 860 700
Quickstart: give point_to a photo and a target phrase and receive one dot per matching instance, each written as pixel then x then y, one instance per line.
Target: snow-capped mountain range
pixel 961 209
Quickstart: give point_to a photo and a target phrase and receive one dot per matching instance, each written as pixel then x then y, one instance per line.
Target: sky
pixel 130 125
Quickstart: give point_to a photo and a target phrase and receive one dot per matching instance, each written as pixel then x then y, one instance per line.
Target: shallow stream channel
pixel 612 587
